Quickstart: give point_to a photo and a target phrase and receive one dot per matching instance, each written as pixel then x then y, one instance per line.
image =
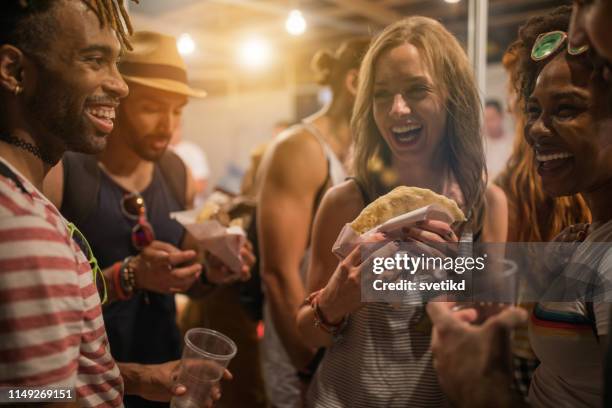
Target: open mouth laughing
pixel 407 134
pixel 102 117
pixel 549 161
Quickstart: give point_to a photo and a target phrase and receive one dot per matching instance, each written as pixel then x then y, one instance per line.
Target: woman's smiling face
pixel 408 110
pixel 564 114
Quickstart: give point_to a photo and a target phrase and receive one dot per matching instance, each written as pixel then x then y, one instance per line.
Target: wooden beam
pixel 502 20
pixel 374 11
pixel 211 42
pixel 400 2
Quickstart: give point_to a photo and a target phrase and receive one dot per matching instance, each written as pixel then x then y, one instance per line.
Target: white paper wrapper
pixel 222 242
pixel 349 238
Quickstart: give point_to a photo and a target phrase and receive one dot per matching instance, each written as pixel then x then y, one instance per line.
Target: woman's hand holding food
pixel 342 294
pixel 438 236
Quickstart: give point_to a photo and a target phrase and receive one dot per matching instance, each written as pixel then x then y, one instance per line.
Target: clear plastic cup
pixel 498 289
pixel 205 356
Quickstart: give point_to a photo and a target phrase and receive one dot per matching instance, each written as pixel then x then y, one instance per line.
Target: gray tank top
pixel 336 172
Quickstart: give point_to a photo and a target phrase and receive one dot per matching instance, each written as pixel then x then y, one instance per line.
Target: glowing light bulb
pixel 254 53
pixel 295 24
pixel 452 1
pixel 185 44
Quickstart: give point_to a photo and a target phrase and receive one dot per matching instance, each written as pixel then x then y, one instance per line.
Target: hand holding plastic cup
pixel 206 355
pixel 497 289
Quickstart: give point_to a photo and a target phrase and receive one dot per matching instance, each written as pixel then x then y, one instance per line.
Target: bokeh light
pixel 295 24
pixel 185 44
pixel 254 53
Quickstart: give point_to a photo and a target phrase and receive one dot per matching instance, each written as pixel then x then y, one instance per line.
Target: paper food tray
pixel 430 212
pixel 223 242
pixel 349 239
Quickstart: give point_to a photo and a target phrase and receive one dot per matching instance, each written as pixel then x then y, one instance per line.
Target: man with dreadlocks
pixel 59 88
pixel 131 188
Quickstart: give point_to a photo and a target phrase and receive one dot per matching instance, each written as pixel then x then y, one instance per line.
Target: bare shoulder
pixel 296 159
pixel 295 144
pixel 343 201
pixel 495 228
pixel 495 198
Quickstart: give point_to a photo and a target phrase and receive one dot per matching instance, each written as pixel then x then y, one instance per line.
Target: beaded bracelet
pixel 128 278
pixel 319 319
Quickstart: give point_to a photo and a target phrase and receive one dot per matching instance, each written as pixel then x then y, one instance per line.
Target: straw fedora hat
pixel 155 62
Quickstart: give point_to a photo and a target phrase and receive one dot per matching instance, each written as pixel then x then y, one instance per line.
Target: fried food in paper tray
pixel 402 207
pixel 215 230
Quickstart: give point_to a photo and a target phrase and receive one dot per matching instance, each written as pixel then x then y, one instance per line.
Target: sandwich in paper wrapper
pixel 219 227
pixel 402 207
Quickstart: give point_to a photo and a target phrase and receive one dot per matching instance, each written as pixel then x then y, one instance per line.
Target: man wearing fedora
pixel 122 199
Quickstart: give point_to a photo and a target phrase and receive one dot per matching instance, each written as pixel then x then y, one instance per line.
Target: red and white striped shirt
pixel 51 328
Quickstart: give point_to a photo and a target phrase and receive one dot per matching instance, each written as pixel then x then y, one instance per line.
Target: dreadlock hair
pixel 534 215
pixel 27 23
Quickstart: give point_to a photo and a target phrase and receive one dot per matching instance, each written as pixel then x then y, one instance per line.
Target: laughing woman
pixel 564 96
pixel 417 113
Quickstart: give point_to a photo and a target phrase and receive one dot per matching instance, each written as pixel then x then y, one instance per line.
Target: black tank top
pixel 142 329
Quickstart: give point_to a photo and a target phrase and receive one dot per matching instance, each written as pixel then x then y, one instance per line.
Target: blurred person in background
pixel 248 181
pixel 296 170
pixel 591 24
pixel 235 310
pixel 122 199
pixel 196 161
pixel 414 112
pixel 498 145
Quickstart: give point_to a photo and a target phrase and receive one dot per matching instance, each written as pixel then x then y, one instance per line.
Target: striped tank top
pixel 383 358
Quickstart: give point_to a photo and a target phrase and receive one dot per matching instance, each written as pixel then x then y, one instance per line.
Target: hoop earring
pixel 18 89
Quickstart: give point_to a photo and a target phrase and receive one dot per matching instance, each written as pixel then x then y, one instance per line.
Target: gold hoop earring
pixel 18 89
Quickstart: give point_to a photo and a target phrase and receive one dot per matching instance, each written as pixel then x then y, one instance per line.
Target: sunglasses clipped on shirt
pixel 548 43
pixel 78 237
pixel 133 207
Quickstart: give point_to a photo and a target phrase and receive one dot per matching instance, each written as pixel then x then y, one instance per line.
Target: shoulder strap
pixel 362 190
pixel 81 186
pixel 322 189
pixel 9 174
pixel 175 173
pixel 315 132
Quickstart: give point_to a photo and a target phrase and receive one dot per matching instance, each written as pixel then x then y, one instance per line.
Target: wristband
pixel 116 278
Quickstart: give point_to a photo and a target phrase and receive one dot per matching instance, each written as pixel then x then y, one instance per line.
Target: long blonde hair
pixel 452 75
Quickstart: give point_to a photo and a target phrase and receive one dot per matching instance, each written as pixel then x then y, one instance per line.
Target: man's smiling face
pixel 76 85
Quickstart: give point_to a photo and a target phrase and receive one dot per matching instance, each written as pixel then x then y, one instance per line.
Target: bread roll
pixel 399 201
pixel 213 211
